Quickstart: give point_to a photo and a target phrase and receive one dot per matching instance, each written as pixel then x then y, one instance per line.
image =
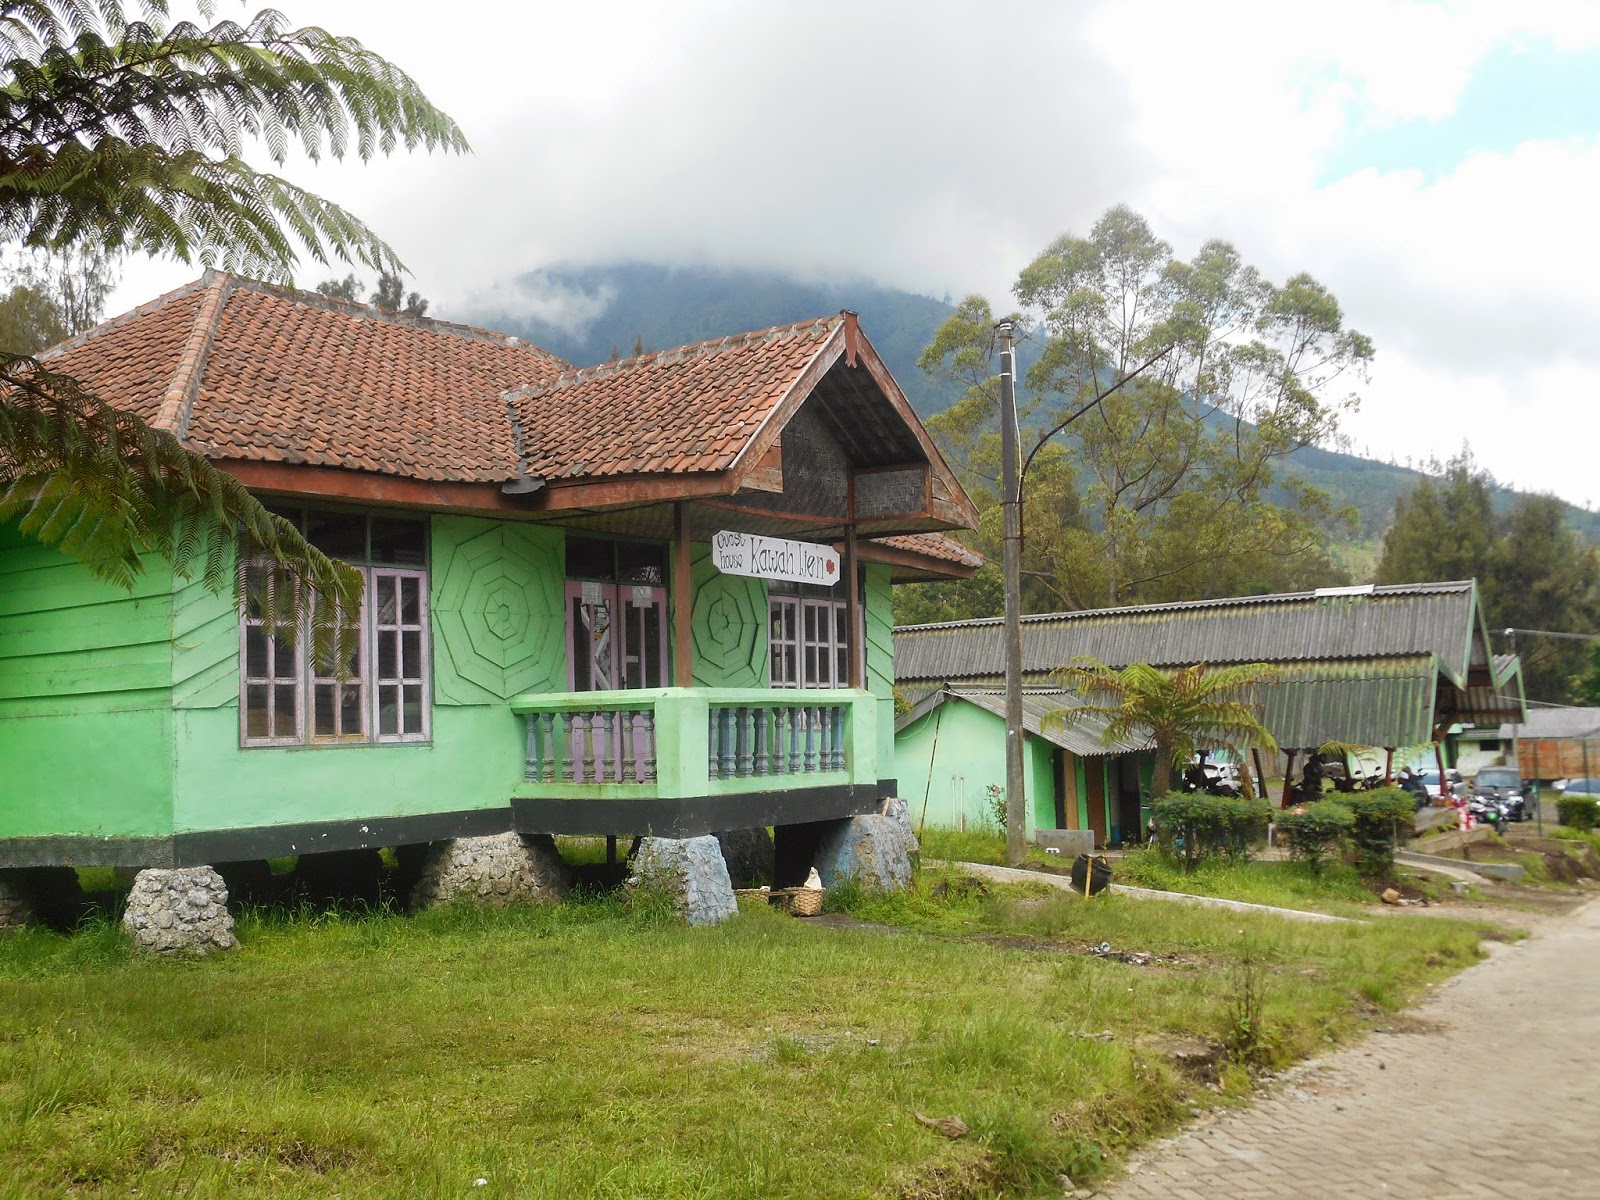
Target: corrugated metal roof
pixel 1084 737
pixel 1436 618
pixel 1376 702
pixel 1556 723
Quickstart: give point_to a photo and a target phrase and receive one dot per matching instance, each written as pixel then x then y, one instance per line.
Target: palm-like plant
pixel 1180 710
pixel 126 133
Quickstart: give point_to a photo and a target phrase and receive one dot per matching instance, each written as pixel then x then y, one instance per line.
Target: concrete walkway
pixel 1491 1089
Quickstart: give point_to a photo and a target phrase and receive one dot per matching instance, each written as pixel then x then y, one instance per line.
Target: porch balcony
pixel 683 761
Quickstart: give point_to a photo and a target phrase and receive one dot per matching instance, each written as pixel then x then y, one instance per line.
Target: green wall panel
pixel 85 697
pixel 498 620
pixel 474 761
pixel 880 631
pixel 205 648
pixel 729 625
pixel 1041 783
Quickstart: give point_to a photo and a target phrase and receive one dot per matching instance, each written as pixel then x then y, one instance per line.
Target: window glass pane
pixel 411 653
pixel 641 562
pixel 283 656
pixel 388 651
pixel 399 541
pixel 653 618
pixel 388 605
pixel 388 711
pixel 411 602
pixel 283 724
pixel 413 708
pixel 257 720
pixel 579 649
pixel 338 535
pixel 352 721
pixel 588 558
pixel 324 716
pixel 255 652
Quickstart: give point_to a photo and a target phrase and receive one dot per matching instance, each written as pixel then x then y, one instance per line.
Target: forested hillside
pixel 615 307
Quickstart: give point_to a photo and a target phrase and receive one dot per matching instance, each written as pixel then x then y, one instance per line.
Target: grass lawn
pixel 586 1050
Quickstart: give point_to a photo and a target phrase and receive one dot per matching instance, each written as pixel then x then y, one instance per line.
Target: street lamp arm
pixel 1090 405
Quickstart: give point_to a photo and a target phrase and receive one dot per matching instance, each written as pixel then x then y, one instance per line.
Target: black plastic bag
pixel 1098 875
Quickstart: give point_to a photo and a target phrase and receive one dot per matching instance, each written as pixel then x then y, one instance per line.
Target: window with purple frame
pixel 292 695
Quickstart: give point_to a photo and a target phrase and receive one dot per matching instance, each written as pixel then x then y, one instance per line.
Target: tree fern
pixel 120 131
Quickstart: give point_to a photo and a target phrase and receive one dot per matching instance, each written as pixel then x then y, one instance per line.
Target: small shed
pixel 950 752
pixel 1555 743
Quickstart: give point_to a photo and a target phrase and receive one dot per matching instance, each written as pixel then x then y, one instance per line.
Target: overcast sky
pixel 1437 165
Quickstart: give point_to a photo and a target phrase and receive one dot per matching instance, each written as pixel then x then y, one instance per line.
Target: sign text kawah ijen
pixel 774 558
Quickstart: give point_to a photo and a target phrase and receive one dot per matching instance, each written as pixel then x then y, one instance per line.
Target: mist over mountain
pixel 593 314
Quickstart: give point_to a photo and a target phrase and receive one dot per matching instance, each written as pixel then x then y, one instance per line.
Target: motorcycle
pixel 1486 810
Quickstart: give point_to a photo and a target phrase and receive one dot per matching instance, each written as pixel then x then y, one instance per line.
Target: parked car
pixel 1582 787
pixel 1505 785
pixel 1430 780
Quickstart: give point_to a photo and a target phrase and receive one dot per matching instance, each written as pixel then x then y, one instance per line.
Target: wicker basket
pixel 800 902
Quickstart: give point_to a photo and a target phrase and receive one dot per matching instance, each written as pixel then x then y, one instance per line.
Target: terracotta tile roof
pixel 245 370
pixel 681 411
pixel 934 545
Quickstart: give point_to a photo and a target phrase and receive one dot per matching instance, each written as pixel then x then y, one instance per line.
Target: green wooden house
pixel 650 597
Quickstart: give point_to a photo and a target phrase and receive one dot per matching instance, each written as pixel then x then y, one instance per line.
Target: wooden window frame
pixel 306 679
pixel 833 648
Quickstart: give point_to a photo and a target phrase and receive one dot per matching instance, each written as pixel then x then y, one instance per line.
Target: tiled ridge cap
pixel 177 403
pixel 1380 591
pixel 711 346
pixel 356 308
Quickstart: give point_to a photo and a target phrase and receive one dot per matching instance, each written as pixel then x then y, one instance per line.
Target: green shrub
pixel 1196 827
pixel 1316 832
pixel 1382 817
pixel 1579 812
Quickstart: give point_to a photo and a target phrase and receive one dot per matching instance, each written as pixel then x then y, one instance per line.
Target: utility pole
pixel 1011 502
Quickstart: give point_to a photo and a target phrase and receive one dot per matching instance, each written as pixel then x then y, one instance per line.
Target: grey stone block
pixel 691 872
pixel 503 869
pixel 15 909
pixel 878 851
pixel 179 911
pixel 1071 842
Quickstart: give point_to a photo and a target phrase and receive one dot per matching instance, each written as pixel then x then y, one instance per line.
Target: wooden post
pixel 1288 778
pixel 1261 772
pixel 1388 765
pixel 1444 784
pixel 682 601
pixel 852 611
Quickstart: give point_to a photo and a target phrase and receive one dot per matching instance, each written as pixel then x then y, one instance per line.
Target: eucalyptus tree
pixel 1179 387
pixel 124 131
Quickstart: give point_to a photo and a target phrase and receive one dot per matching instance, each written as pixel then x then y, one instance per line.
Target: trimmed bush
pixel 1578 812
pixel 1382 817
pixel 1195 827
pixel 1316 832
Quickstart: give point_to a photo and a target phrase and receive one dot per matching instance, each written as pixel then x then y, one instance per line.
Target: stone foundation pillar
pixel 690 871
pixel 179 911
pixel 502 869
pixel 15 909
pixel 878 850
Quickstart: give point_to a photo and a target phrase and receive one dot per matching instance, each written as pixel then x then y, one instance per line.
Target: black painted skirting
pixel 695 815
pixel 580 815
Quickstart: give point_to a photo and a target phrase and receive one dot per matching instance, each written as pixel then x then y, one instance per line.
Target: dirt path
pixel 1490 1089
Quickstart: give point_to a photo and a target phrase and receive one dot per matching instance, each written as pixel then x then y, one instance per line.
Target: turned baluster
pixel 647 761
pixel 763 719
pixel 838 738
pixel 569 762
pixel 547 727
pixel 729 745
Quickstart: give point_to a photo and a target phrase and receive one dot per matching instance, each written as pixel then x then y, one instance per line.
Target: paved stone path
pixel 1491 1089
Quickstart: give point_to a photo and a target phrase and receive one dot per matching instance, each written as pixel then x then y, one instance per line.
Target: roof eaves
pixel 771 427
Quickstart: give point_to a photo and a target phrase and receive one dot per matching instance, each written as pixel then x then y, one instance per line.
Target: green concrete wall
pixel 964 753
pixel 85 697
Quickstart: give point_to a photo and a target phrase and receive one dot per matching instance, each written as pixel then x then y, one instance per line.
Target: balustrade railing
pixel 650 739
pixel 592 746
pixel 761 740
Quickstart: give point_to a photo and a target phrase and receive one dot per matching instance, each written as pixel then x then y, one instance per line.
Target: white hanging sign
pixel 774 558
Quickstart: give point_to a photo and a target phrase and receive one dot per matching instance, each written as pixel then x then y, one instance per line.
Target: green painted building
pixel 951 767
pixel 647 597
